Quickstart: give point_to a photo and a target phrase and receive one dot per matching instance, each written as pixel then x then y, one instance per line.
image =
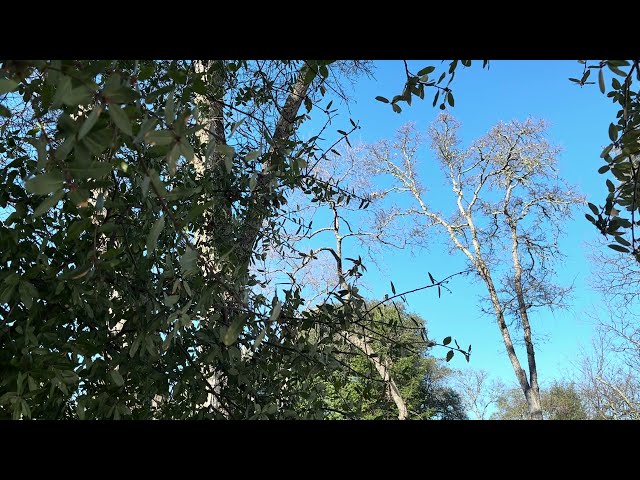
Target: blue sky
pixel 508 90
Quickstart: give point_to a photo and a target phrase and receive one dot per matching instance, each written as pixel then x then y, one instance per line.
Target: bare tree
pixel 478 391
pixel 510 206
pixel 609 372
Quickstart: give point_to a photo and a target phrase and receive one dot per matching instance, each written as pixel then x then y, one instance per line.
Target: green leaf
pixel 426 70
pixel 27 293
pixel 393 288
pixel 25 409
pixel 117 378
pixel 154 233
pixel 601 80
pixel 169 110
pixel 226 150
pixel 159 188
pixel 433 280
pixel 610 186
pixel 189 261
pixel 77 228
pixel 618 248
pixel 450 355
pixel 622 241
pixel 95 170
pixel 80 272
pixel 234 330
pixel 382 99
pixel 77 96
pixel 172 158
pixel 613 132
pixel 396 108
pixel 450 99
pixel 145 186
pixel 41 149
pixel 7 85
pixel 4 111
pixel 65 149
pixel 120 118
pixel 170 300
pixel 48 203
pixel 603 169
pixel 90 121
pixel 252 155
pixel 45 184
pixel 613 66
pixel 134 346
pixel 593 208
pixel 446 341
pixel 160 137
pixel 186 149
pixel 32 383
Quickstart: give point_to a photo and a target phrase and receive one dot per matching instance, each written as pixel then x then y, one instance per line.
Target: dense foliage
pixel 356 392
pixel 139 197
pixel 140 201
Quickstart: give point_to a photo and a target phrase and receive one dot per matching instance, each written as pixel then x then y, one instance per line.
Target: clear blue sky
pixel 579 118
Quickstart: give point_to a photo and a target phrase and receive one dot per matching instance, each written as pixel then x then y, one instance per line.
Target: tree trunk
pixel 382 366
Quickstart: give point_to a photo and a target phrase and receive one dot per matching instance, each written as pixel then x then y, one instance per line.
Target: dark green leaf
pixel 393 288
pixel 90 121
pixel 117 378
pixel 77 96
pixel 45 184
pixel 186 149
pixel 426 70
pixel 601 80
pixel 449 355
pixel 154 233
pixel 7 85
pixel 622 241
pixel 189 261
pixel 27 293
pixel 613 132
pixel 172 158
pixel 234 330
pixel 603 169
pixel 95 170
pixel 446 341
pixel 618 248
pixel 593 208
pixel 169 110
pixel 610 185
pixel 120 118
pixel 382 99
pixel 48 203
pixel 4 111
